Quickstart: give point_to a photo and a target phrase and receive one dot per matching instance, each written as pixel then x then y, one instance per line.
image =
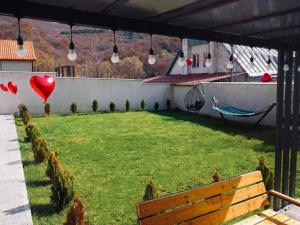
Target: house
pixel 197 51
pixel 10 61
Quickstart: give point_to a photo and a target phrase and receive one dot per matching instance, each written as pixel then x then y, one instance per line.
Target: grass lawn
pixel 112 156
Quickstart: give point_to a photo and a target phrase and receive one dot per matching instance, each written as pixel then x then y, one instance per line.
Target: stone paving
pixel 14 204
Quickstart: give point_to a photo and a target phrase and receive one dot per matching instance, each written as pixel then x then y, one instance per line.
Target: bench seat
pixel 215 204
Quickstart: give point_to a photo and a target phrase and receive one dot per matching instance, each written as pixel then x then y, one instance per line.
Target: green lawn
pixel 113 155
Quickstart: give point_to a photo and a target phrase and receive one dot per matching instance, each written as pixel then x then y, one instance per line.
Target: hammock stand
pixel 194 98
pixel 229 110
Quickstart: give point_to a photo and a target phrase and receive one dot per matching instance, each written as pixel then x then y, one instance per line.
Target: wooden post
pixel 295 123
pixel 287 125
pixel 279 127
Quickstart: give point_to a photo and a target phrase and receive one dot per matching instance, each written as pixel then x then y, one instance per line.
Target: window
pixel 195 61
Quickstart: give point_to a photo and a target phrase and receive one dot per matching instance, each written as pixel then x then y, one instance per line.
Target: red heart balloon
pixel 43 86
pixel 189 61
pixel 266 78
pixel 3 87
pixel 12 87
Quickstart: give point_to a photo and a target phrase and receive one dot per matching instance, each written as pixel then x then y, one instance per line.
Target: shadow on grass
pixel 43 210
pixel 263 133
pixel 38 183
pixel 28 163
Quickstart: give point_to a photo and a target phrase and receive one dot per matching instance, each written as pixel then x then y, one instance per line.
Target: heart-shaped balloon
pixel 266 78
pixel 189 61
pixel 3 87
pixel 12 87
pixel 43 86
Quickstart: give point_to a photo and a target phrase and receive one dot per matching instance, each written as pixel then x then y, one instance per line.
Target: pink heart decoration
pixel 43 86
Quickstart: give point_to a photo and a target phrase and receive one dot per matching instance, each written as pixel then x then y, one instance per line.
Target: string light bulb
pixel 21 50
pixel 151 57
pixel 286 67
pixel 268 67
pixel 181 60
pixel 208 62
pixel 251 64
pixel 115 55
pixel 298 68
pixel 230 63
pixel 72 56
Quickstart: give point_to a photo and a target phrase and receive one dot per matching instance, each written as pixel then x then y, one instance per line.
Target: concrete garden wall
pixel 252 96
pixel 82 91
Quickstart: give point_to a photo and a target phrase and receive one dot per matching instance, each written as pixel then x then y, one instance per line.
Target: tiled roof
pixel 190 79
pixel 8 51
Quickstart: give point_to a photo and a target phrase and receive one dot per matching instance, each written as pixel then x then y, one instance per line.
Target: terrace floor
pixel 14 204
pixel 114 155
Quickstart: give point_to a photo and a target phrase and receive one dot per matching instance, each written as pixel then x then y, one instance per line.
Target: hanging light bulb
pixel 181 60
pixel 286 67
pixel 208 62
pixel 72 53
pixel 21 50
pixel 151 58
pixel 268 67
pixel 230 63
pixel 251 64
pixel 115 56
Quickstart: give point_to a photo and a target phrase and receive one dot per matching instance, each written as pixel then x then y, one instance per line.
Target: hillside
pixel 93 47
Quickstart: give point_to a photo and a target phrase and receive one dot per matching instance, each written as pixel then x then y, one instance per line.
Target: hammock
pixel 225 109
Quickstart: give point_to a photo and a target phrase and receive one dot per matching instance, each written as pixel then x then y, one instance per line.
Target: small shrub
pixel 95 106
pixel 40 149
pixel 75 214
pixel 127 105
pixel 216 177
pixel 53 165
pixel 62 189
pixel 112 106
pixel 73 108
pixel 152 191
pixel 143 105
pixel 22 108
pixel 32 132
pixel 168 104
pixel 156 106
pixel 267 174
pixel 47 109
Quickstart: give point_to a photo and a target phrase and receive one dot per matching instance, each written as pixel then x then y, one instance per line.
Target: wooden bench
pixel 211 204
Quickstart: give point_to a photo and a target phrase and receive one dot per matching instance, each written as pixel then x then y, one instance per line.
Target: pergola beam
pixel 255 18
pixel 78 17
pixel 272 30
pixel 196 7
pixel 114 5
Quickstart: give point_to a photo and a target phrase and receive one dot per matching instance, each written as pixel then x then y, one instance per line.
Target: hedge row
pixel 62 182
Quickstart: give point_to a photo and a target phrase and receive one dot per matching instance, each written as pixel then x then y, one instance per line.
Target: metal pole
pixel 279 127
pixel 295 123
pixel 287 125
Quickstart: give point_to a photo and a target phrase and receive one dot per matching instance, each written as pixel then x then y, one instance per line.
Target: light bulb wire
pixel 71 33
pixel 151 49
pixel 19 39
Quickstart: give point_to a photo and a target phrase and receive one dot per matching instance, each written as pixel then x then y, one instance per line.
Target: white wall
pixel 252 96
pixel 16 66
pixel 82 91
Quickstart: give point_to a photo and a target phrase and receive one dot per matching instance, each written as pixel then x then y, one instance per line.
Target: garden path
pixel 14 204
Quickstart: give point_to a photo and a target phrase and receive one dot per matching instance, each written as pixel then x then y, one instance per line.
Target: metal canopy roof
pixel 262 23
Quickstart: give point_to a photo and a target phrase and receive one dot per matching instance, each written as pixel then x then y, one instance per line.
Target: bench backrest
pixel 217 202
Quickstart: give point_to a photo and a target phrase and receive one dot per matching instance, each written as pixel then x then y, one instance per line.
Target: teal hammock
pixel 225 109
